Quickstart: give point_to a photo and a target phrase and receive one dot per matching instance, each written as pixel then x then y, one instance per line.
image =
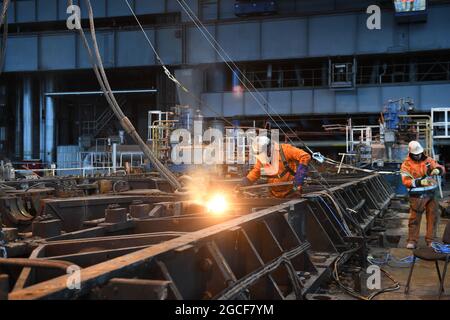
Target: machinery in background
pixel 7 172
pixel 384 147
pixel 386 144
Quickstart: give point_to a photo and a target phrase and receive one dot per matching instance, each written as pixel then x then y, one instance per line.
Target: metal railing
pixel 376 73
pixel 440 118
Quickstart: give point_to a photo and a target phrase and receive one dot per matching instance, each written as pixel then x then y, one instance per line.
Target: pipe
pixel 19 131
pixel 49 125
pixel 267 185
pixel 27 118
pixel 37 263
pixel 87 93
pixel 114 157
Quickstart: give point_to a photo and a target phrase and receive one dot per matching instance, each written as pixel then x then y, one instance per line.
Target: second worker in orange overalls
pixel 418 175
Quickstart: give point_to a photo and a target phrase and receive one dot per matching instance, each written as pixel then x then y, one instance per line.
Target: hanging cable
pixel 323 181
pixel 441 248
pixel 4 23
pixel 395 286
pixel 227 59
pixel 169 74
pixel 191 15
pixel 99 71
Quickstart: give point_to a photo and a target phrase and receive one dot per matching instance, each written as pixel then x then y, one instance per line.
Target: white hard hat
pixel 260 145
pixel 415 147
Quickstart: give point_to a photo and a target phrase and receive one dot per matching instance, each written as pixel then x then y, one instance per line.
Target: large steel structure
pixel 296 72
pixel 290 247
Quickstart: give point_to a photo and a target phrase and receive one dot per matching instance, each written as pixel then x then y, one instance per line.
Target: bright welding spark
pixel 217 205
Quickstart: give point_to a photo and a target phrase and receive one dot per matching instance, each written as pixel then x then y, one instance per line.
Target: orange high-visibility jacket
pixel 417 169
pixel 294 156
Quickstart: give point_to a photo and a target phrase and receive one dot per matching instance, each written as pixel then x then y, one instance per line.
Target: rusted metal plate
pixel 250 255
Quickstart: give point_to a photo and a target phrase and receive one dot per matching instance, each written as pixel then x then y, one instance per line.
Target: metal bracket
pixel 318 157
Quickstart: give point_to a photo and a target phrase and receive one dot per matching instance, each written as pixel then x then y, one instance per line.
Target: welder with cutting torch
pixel 279 163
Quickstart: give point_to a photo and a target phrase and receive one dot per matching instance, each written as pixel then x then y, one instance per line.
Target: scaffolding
pixel 440 118
pixel 160 126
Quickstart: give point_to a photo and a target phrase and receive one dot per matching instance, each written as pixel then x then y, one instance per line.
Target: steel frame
pixel 281 252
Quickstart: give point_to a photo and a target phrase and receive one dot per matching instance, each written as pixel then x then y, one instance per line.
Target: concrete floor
pixel 425 282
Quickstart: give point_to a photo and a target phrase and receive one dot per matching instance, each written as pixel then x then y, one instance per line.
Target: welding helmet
pixel 415 148
pixel 261 149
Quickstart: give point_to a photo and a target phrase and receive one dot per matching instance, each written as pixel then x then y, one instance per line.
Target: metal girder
pixel 281 252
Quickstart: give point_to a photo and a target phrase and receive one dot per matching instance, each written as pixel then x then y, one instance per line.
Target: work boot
pixel 411 245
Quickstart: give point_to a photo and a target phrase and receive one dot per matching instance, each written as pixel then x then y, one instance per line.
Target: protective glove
pixel 435 172
pixel 245 182
pixel 422 182
pixel 300 176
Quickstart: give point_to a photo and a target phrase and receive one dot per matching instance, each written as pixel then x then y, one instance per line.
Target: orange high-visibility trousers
pixel 417 206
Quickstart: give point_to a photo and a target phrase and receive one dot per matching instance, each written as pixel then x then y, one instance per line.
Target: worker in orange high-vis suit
pixel 287 164
pixel 419 174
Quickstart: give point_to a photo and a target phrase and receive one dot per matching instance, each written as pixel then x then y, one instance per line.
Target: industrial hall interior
pixel 258 150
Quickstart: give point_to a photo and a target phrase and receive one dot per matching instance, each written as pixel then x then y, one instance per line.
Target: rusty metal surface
pixel 289 247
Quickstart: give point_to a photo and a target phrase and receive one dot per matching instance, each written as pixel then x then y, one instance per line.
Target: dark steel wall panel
pixel 169 45
pixel 22 53
pixel 25 11
pixel 209 10
pixel 193 4
pixel 148 7
pixel 346 100
pixel 98 7
pixel 214 105
pixel 106 47
pixel 332 35
pixel 252 102
pixel 283 99
pixel 62 9
pixel 198 48
pixel 369 100
pixel 433 34
pixel 325 101
pixel 285 39
pixel 118 8
pixel 240 41
pixel 11 12
pixel 232 104
pixel 173 6
pixel 302 101
pixel 132 49
pixel 47 10
pixel 226 9
pixel 435 96
pixel 315 36
pixel 317 5
pixel 57 52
